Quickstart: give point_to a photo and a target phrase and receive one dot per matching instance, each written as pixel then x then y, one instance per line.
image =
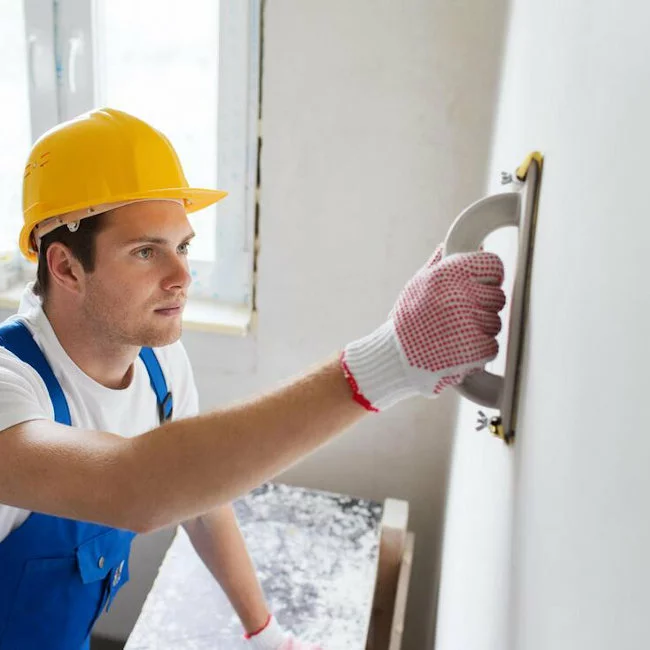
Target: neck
pixel 106 361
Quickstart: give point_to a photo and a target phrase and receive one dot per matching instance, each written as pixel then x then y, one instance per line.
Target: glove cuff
pixel 375 369
pixel 270 637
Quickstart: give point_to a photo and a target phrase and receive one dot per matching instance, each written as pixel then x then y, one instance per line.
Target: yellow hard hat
pixel 97 161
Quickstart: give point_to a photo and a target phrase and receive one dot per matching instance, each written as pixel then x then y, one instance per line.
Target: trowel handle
pixel 466 235
pixel 478 220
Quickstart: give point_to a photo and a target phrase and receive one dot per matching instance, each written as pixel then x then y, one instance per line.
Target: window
pixel 190 68
pixel 15 135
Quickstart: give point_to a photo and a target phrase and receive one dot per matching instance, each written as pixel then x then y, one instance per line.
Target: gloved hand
pixel 272 637
pixel 441 329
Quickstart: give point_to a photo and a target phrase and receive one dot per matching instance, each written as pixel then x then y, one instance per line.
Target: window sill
pixel 199 315
pixel 213 316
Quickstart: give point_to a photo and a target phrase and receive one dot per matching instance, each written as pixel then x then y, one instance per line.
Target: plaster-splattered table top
pixel 316 555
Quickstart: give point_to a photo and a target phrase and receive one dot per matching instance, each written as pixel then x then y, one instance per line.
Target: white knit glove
pixel 272 637
pixel 441 329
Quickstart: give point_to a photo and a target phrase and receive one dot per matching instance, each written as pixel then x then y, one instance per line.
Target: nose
pixel 178 274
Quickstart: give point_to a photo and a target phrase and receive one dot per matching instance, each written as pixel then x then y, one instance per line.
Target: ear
pixel 65 269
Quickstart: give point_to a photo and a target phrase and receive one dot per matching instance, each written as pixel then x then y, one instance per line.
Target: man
pixel 99 433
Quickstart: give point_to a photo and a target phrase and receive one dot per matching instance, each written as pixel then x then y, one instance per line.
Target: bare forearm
pixel 218 541
pixel 177 471
pixel 190 466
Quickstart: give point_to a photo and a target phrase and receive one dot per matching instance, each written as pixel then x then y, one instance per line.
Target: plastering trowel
pixel 516 207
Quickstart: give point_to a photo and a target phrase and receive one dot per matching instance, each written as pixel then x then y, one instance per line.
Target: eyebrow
pixel 150 239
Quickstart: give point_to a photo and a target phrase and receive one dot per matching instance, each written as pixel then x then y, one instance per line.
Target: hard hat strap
pixel 72 219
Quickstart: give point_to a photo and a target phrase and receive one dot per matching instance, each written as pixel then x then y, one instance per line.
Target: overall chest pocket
pixel 59 599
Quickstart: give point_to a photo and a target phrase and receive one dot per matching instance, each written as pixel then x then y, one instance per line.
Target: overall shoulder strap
pixel 158 383
pixel 15 337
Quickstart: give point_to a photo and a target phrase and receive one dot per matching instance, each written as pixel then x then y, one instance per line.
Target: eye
pixel 144 253
pixel 184 249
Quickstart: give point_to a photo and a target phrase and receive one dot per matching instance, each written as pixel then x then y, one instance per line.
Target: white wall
pixel 562 561
pixel 376 132
pixel 377 118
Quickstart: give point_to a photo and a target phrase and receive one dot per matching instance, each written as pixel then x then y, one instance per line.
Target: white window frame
pixel 62 84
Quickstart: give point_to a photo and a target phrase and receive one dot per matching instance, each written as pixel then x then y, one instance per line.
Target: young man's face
pixel 137 291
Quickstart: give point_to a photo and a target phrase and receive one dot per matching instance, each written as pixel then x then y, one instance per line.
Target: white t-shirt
pixel 128 412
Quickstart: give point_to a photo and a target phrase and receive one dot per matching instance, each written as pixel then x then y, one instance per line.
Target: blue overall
pixel 57 575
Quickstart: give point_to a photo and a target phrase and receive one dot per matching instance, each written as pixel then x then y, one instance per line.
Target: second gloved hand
pixel 272 637
pixel 441 329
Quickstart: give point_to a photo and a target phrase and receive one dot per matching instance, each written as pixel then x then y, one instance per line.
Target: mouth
pixel 171 310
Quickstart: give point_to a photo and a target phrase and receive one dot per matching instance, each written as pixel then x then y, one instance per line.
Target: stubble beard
pixel 117 326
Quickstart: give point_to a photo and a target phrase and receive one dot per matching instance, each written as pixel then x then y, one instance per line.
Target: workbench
pixel 317 555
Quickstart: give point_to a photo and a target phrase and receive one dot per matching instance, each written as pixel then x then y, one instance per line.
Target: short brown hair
pixel 81 244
